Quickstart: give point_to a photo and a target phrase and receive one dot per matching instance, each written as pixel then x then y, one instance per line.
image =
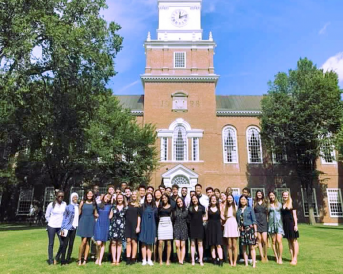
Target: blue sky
pixel 255 40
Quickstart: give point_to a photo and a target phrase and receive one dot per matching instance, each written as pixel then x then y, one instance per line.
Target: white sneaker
pixel 241 261
pixel 250 261
pixel 150 263
pixel 144 262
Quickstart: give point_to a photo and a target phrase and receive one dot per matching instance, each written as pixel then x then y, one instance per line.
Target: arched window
pixel 230 145
pixel 180 180
pixel 180 144
pixel 254 145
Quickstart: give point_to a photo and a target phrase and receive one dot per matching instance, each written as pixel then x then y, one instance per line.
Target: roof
pixel 227 105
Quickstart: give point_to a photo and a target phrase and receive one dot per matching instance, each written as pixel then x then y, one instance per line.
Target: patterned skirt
pixel 247 236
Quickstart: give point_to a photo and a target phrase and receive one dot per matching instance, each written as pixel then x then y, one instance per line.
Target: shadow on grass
pixel 13 227
pixel 329 227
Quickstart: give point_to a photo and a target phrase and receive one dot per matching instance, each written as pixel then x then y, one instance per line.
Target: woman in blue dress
pixel 102 227
pixel 117 227
pixel 148 228
pixel 85 229
pixel 275 227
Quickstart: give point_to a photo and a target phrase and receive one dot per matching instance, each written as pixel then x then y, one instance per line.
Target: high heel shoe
pixel 221 263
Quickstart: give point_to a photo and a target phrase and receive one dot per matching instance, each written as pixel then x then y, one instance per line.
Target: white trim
pixel 29 200
pixel 164 139
pixel 279 191
pixel 339 198
pixel 49 196
pixel 184 59
pixel 304 200
pixel 137 112
pixel 238 112
pixel 332 224
pixel 236 190
pixel 185 156
pixel 235 144
pixel 247 144
pixel 197 151
pixel 146 78
pixel 178 122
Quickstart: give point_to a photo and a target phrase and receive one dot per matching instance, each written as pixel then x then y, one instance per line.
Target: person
pixel 97 196
pixel 54 217
pixel 127 194
pixel 246 193
pixel 117 228
pixel 101 227
pixel 248 230
pixel 123 186
pixel 231 232
pixel 203 199
pixel 150 189
pixel 209 191
pixel 222 203
pixel 148 228
pixel 174 196
pixel 290 226
pixel 197 214
pixel 162 188
pixel 141 190
pixel 184 195
pixel 85 230
pixel 214 235
pixel 275 226
pixel 110 190
pixel 165 228
pixel 235 196
pixel 218 194
pixel 158 203
pixel 191 194
pixel 180 229
pixel 168 191
pixel 261 213
pixel 132 228
pixel 69 226
pixel 118 191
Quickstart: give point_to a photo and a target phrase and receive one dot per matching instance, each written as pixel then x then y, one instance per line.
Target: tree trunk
pixel 309 193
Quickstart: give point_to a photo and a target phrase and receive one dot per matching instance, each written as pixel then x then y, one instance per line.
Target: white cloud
pixel 335 63
pixel 121 91
pixel 323 29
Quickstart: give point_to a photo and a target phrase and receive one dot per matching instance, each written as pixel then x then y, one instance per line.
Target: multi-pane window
pixel 180 180
pixel 253 191
pixel 236 191
pixel 164 149
pixel 230 145
pixel 179 59
pixel 254 145
pixel 195 149
pixel 179 144
pixel 79 191
pixel 279 156
pixel 305 202
pixel 102 189
pixel 335 202
pixel 328 152
pixel 49 196
pixel 279 192
pixel 25 201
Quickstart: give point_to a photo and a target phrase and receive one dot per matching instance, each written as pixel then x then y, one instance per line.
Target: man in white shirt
pixel 203 199
pixel 185 197
pixel 141 190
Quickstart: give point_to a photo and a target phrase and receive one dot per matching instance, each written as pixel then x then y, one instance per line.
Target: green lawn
pixel 25 251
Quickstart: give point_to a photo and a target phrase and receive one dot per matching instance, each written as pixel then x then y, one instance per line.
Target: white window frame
pixel 164 149
pixel 49 196
pixel 332 152
pixel 339 198
pixel 247 140
pixel 184 56
pixel 195 153
pixel 284 157
pixel 236 191
pixel 279 191
pixel 253 191
pixel 235 144
pixel 29 201
pixel 304 201
pixel 185 156
pixel 78 190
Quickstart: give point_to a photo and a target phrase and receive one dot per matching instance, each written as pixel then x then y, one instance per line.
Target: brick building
pixel 209 139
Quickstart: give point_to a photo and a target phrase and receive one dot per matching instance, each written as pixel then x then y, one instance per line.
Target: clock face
pixel 179 17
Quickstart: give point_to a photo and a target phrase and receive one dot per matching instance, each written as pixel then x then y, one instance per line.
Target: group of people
pixel 219 225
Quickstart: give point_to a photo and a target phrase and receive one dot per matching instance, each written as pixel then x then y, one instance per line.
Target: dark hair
pixel 168 188
pixel 123 183
pixel 56 196
pixel 198 185
pixel 217 203
pixel 175 186
pixel 93 199
pixel 247 189
pixel 184 188
pixel 142 186
pixel 146 204
pixel 162 186
pixel 151 187
pixel 192 191
pixel 209 188
pixel 128 188
pixel 191 207
pixel 102 204
pixel 110 186
pixel 239 201
pixel 216 190
pixel 155 193
pixel 226 209
pixel 165 195
pixel 183 208
pixel 256 199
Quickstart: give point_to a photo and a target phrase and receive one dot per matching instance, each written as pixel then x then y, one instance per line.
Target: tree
pixel 56 56
pixel 301 114
pixel 122 149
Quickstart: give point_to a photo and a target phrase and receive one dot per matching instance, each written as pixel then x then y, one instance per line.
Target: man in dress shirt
pixel 203 199
pixel 162 189
pixel 123 186
pixel 246 192
pixel 174 196
pixel 141 190
pixel 186 199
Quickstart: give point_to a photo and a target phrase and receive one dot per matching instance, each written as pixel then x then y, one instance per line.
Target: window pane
pixel 180 144
pixel 179 59
pixel 230 145
pixel 254 146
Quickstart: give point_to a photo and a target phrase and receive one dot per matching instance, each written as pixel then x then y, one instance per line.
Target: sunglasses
pixel 60 196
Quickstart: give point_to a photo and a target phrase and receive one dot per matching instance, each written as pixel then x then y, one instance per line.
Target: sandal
pixel 84 262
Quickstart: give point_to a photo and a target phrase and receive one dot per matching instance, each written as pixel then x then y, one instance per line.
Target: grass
pixel 24 250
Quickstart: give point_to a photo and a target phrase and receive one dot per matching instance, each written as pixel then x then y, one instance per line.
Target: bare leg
pixel 201 252
pixel 102 251
pixel 97 254
pixel 113 251
pixel 155 250
pixel 144 252
pixel 160 251
pixel 85 256
pixel 128 248
pixel 213 252
pixel 148 251
pixel 274 247
pixel 220 252
pixel 280 247
pixel 234 251
pixel 81 249
pixel 253 255
pixel 295 250
pixel 229 250
pixel 178 251
pixel 183 251
pixel 168 252
pixel 193 251
pixel 134 249
pixel 260 248
pixel 245 255
pixel 265 245
pixel 119 247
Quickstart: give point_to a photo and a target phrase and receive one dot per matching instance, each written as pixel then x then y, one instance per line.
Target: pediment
pixel 180 170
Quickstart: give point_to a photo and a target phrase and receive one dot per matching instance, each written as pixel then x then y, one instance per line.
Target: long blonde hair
pixel 136 203
pixel 289 203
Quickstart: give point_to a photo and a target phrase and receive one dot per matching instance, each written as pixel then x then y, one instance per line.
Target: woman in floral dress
pixel 117 228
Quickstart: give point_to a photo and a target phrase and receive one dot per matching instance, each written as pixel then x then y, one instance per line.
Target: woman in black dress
pixel 132 227
pixel 180 229
pixel 214 233
pixel 290 226
pixel 197 214
pixel 261 213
